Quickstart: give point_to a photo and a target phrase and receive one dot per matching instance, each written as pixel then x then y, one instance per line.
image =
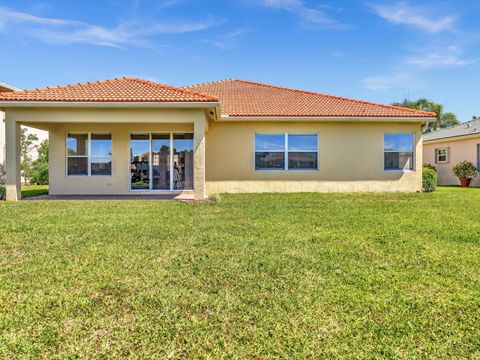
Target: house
pixel 42 135
pixel 132 136
pixel 446 147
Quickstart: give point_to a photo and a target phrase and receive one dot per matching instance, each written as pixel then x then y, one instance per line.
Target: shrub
pixel 465 169
pixel 429 179
pixel 38 171
pixel 430 166
pixel 2 193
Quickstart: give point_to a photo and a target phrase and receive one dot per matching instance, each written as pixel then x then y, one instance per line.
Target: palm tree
pixel 444 119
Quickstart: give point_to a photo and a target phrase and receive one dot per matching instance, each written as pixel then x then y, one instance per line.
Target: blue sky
pixel 373 50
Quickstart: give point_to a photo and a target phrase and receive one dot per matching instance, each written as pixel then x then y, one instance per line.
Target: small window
pixel 89 154
pixel 270 152
pixel 286 152
pixel 101 160
pixel 302 152
pixel 398 152
pixel 442 155
pixel 77 154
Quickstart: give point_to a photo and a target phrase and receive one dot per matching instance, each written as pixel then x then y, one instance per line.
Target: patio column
pixel 199 128
pixel 12 159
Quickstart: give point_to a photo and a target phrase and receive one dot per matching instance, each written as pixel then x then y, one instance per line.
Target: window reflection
pixel 161 161
pixel 139 162
pixel 182 161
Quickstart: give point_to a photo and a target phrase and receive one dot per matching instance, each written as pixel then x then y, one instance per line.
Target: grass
pixel 29 190
pixel 34 190
pixel 253 276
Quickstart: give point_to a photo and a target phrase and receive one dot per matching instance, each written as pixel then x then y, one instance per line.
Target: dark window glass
pixel 269 160
pixel 77 166
pixel 101 166
pixel 182 161
pixel 302 160
pixel 77 144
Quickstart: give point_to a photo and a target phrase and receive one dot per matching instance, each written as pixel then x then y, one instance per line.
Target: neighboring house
pixel 42 135
pixel 446 147
pixel 131 136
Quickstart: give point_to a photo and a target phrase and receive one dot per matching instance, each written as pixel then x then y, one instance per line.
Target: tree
pixel 38 173
pixel 27 145
pixel 444 119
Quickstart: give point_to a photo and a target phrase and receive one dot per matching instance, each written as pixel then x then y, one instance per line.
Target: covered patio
pixel 123 138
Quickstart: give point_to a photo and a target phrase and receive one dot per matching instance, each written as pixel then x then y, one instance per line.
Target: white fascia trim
pixel 327 119
pixel 82 104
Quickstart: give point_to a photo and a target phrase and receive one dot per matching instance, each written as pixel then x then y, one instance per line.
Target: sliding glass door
pixel 162 162
pixel 183 161
pixel 139 162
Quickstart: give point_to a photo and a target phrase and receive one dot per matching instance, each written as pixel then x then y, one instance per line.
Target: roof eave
pixel 419 119
pixel 108 104
pixel 452 138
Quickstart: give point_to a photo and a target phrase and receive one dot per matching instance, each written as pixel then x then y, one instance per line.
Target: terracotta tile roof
pixel 251 99
pixel 116 90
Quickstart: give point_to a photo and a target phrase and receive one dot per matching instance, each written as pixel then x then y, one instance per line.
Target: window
pixel 398 152
pixel 77 154
pixel 286 152
pixel 302 152
pixel 89 154
pixel 441 155
pixel 270 152
pixel 478 157
pixel 101 160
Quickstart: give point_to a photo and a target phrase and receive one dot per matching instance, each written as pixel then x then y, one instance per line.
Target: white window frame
pixel 414 153
pixel 150 162
pixel 447 155
pixel 285 151
pixel 89 153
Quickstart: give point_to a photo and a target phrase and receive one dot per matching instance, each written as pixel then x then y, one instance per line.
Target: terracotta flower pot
pixel 465 182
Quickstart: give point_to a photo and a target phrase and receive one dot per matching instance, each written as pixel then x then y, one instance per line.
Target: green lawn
pixel 34 190
pixel 253 276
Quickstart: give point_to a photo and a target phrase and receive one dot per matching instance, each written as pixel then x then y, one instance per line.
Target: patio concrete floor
pixel 179 197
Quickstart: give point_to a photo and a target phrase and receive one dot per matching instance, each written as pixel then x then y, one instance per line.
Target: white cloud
pixel 388 82
pixel 439 60
pixel 450 56
pixel 61 31
pixel 311 16
pixel 401 13
pixel 225 40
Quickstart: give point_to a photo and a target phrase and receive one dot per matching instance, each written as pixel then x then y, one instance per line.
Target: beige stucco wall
pixel 461 148
pixel 350 154
pixel 350 159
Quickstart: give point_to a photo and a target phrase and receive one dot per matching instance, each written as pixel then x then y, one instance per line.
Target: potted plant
pixel 465 171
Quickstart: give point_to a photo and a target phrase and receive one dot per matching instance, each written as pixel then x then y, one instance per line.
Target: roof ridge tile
pixel 322 94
